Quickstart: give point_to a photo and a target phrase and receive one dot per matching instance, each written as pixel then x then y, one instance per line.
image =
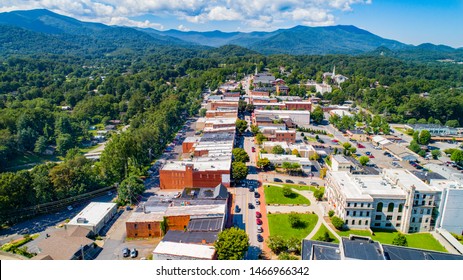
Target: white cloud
pixel 261 14
pixel 182 27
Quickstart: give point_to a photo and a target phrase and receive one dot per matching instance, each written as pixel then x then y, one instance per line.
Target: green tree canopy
pixel 364 160
pixel 278 150
pixel 400 240
pixel 425 137
pixel 337 222
pixel 239 171
pixel 130 189
pixel 317 115
pixel 241 125
pixel 240 155
pixel 232 244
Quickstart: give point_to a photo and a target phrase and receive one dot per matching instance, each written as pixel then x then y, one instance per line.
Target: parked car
pixel 302 183
pixel 256 195
pixel 253 149
pixel 133 253
pixel 368 153
pixel 258 215
pixel 125 252
pixel 237 209
pixel 371 156
pixel 250 205
pixel 289 181
pixel 260 238
pixel 260 229
pixel 251 189
pixel 258 221
pixel 277 180
pixel 314 184
pixel 257 201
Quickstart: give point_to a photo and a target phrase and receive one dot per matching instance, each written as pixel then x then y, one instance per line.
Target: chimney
pixel 203 241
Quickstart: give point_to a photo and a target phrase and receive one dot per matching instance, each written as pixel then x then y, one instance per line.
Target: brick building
pixel 178 211
pixel 298 105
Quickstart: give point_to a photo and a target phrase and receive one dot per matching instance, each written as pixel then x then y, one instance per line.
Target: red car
pixel 360 146
pixel 258 222
pixel 371 156
pixel 253 149
pixel 258 215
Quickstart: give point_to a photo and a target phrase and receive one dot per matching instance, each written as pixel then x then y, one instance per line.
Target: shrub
pixel 287 191
pixel 337 222
pixel 331 213
pixel 285 257
pixel 400 240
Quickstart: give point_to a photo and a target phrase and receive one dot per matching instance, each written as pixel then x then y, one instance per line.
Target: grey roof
pixel 404 253
pixel 319 250
pixel 362 248
pixel 181 236
pixel 205 224
pixel 427 175
pixel 218 193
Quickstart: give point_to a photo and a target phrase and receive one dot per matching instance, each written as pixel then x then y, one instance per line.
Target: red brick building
pixel 179 175
pixel 298 105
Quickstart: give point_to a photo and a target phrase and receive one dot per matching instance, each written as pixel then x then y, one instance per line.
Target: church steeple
pixel 334 70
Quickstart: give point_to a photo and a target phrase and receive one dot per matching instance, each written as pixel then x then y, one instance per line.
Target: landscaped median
pixel 276 195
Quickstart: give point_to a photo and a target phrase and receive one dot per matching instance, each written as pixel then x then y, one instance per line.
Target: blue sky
pixel 408 21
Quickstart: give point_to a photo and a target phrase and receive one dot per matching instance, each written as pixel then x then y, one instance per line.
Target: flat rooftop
pixel 365 187
pixel 341 159
pixel 93 213
pixel 201 164
pixel 407 179
pixel 186 250
pixel 281 112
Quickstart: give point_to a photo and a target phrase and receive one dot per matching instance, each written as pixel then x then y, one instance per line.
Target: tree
pixel 337 222
pixel 317 114
pixel 425 137
pixel 295 152
pixel 323 172
pixel 260 138
pixel 231 244
pixel 286 165
pixel 294 220
pixel 130 189
pixel 287 257
pixel 40 145
pixel 436 154
pixel 294 244
pixel 277 244
pixel 202 112
pixel 278 150
pixel 452 123
pixel 254 129
pixel 364 160
pixel 457 156
pixel 400 240
pixel 263 163
pixel 64 142
pixel 240 155
pixel 239 171
pixel 326 237
pixel 287 191
pixel 241 125
pixel 318 194
pixel 315 156
pixel 414 146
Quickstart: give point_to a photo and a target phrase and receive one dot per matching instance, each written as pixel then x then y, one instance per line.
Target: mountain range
pixel 24 31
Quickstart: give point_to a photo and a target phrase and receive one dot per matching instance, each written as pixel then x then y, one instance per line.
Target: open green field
pixel 274 195
pixel 279 225
pixel 321 232
pixel 415 240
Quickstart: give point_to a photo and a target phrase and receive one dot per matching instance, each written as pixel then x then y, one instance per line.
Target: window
pixel 413 219
pixel 361 205
pixel 355 204
pixel 421 211
pixel 149 226
pixel 377 224
pixel 429 203
pixel 421 219
pixel 414 211
pixel 427 220
pixel 361 213
pixel 348 204
pixel 353 222
pixel 360 222
pixel 397 225
pixel 368 213
pixel 388 225
pixel 135 226
pixel 379 207
pixel 429 211
pixel 354 214
pixel 378 217
pixel 368 205
pixel 399 218
pixel 390 207
pixel 389 217
pixel 347 213
pixel 401 207
pixel 347 222
pixel 417 196
pixel 423 202
pixel 366 222
pixel 424 196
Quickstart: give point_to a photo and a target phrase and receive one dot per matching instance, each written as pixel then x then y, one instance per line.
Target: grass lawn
pixel 274 195
pixel 304 187
pixel 321 232
pixel 27 161
pixel 279 225
pixel 415 240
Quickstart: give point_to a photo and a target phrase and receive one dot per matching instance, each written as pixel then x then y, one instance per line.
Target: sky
pixel 408 21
